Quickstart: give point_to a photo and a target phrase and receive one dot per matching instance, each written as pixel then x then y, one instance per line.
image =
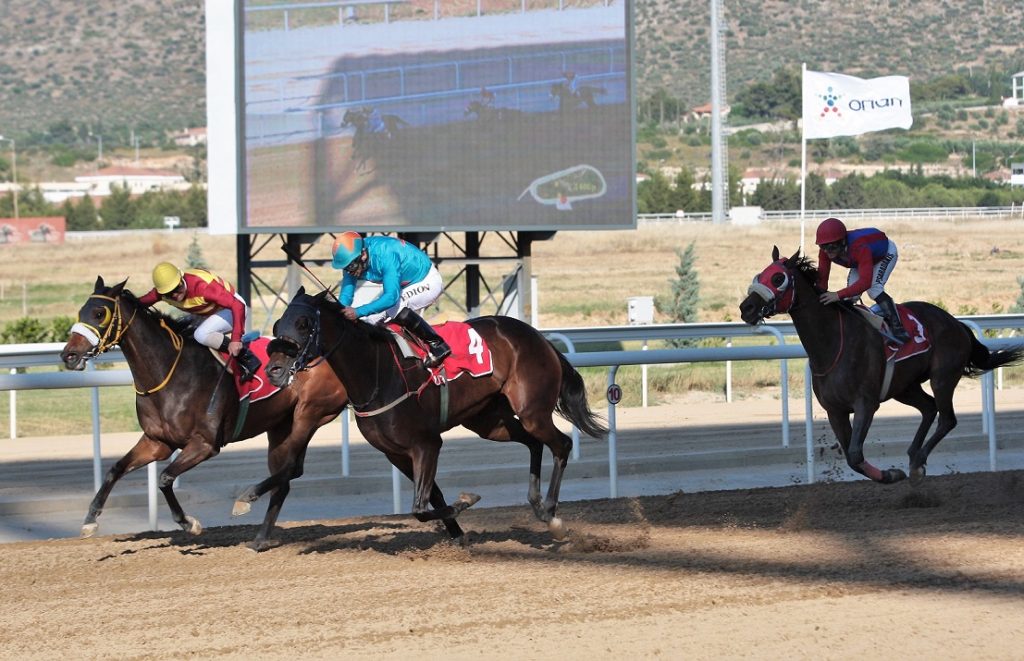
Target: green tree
pixel 683 196
pixel 118 210
pixel 81 216
pixel 654 195
pixel 194 258
pixel 1018 307
pixel 682 303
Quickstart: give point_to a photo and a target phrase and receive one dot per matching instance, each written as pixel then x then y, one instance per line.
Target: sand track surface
pixel 823 571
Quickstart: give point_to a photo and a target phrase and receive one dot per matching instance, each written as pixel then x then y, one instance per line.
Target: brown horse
pixel 184 403
pixel 848 363
pixel 402 414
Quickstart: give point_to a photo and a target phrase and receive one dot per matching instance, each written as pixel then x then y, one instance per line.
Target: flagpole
pixel 803 159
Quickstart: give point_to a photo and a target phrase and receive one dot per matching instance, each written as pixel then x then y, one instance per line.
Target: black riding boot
pixel 892 317
pixel 437 349
pixel 246 360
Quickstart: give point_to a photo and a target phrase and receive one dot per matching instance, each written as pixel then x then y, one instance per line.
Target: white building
pixel 136 180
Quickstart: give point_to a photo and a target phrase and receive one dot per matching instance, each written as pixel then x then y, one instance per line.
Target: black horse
pixel 402 414
pixel 848 363
pixel 486 114
pixel 583 98
pixel 372 130
pixel 185 403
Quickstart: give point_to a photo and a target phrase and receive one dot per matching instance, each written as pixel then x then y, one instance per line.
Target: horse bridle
pixel 99 336
pixel 302 353
pixel 115 320
pixel 775 291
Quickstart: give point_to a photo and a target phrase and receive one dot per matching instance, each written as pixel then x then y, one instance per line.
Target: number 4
pixel 476 345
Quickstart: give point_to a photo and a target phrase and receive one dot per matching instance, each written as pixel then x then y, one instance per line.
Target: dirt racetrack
pixel 836 570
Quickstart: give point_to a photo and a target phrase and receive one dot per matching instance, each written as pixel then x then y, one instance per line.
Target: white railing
pixel 920 213
pixel 14 356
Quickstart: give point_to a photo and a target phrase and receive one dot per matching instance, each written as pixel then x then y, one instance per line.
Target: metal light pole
pixel 99 153
pixel 14 171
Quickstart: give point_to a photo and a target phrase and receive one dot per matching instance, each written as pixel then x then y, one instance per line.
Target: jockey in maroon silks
pixel 206 295
pixel 870 256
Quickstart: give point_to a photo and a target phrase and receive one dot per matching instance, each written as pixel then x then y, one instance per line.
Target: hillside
pixel 141 62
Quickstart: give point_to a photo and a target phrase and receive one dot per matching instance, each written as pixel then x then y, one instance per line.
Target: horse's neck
pixel 146 345
pixel 818 325
pixel 364 364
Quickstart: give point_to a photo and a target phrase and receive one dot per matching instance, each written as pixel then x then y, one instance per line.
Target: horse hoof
pixel 192 526
pixel 88 530
pixel 894 475
pixel 469 499
pixel 556 528
pixel 917 476
pixel 240 508
pixel 259 545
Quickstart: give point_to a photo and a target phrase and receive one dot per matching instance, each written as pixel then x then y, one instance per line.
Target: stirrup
pixel 248 364
pixel 433 359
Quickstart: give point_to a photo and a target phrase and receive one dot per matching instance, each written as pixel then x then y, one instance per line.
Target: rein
pixel 311 354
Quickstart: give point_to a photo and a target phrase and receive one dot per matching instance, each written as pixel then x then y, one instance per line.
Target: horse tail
pixel 572 401
pixel 983 360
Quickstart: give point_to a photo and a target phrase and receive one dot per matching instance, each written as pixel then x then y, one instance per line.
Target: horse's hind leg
pixel 943 389
pixel 504 427
pixel 404 464
pixel 916 396
pixel 145 451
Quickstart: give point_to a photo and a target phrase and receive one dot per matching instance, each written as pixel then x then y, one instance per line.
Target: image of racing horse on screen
pixel 373 131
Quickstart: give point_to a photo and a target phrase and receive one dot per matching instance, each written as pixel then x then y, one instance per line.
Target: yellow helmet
pixel 166 277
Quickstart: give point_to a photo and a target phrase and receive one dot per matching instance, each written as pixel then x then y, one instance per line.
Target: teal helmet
pixel 347 247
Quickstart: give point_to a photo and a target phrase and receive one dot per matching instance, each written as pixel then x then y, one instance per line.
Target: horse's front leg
pixel 862 418
pixel 145 451
pixel 424 468
pixel 437 501
pixel 193 454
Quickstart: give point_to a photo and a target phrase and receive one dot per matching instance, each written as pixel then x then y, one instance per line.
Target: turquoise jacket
pixel 391 262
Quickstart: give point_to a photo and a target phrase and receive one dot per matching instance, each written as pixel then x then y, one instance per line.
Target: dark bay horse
pixel 371 131
pixel 848 364
pixel 402 414
pixel 486 114
pixel 583 98
pixel 185 402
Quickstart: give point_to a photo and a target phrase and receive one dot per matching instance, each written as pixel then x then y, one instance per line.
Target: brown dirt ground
pixel 835 570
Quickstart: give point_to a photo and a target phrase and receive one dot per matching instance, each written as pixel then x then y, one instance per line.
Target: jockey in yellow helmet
pixel 204 294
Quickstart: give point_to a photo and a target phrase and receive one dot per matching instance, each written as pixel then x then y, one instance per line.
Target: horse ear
pixel 98 287
pixel 775 253
pixel 302 290
pixel 795 256
pixel 115 291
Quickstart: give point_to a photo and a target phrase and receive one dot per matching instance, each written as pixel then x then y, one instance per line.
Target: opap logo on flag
pixel 835 104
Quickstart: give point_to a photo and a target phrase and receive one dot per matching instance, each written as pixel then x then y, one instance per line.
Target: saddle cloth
pixel 894 352
pixel 470 353
pixel 259 387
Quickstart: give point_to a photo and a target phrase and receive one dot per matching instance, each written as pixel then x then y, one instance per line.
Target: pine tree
pixel 682 306
pixel 1018 307
pixel 194 259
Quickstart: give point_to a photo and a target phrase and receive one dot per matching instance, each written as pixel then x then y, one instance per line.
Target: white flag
pixel 835 104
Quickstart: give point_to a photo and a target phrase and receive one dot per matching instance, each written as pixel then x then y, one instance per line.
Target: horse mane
pixel 371 331
pixel 805 266
pixel 179 324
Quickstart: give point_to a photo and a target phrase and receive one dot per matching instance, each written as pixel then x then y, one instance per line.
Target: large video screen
pixel 435 115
